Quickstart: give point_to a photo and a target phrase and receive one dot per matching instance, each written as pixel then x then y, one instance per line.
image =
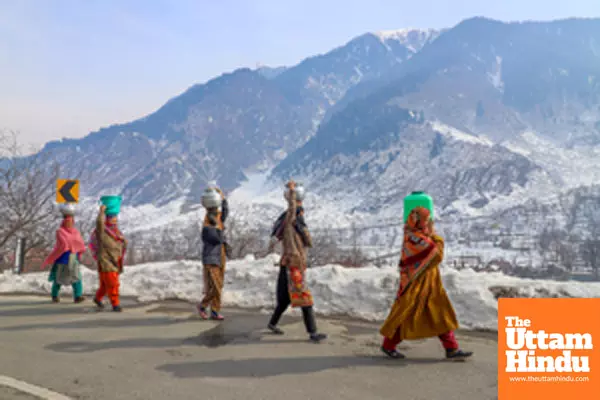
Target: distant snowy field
pixel 255 203
pixel 364 293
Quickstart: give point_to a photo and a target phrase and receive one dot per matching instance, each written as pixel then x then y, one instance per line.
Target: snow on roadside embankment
pixel 365 293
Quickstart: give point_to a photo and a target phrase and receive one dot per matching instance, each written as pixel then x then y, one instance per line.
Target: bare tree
pixel 245 240
pixel 26 195
pixel 355 249
pixel 192 242
pixel 325 250
pixel 169 246
pixel 590 248
pixel 131 255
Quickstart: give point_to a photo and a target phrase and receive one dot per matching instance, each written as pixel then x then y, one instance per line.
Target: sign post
pixel 67 191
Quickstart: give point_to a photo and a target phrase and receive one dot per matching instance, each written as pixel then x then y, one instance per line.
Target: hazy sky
pixel 68 67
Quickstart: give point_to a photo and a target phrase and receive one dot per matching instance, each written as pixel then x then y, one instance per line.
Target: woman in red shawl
pixel 422 308
pixel 65 258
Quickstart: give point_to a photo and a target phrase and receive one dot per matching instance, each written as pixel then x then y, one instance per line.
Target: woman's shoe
pixel 392 353
pixel 98 304
pixel 216 316
pixel 56 300
pixel 202 312
pixel 79 299
pixel 275 330
pixel 317 337
pixel 458 354
pixel 117 309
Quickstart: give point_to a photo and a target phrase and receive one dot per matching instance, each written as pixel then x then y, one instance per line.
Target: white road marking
pixel 31 389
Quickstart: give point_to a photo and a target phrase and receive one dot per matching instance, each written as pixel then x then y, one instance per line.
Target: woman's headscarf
pixel 419 221
pixel 111 229
pixel 418 248
pixel 67 239
pixel 212 218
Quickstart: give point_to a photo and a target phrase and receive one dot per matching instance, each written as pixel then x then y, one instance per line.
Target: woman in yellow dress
pixel 422 308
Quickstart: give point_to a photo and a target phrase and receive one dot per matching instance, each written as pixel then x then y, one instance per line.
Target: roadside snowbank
pixel 365 293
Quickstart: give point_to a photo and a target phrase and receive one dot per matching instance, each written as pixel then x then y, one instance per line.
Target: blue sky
pixel 68 67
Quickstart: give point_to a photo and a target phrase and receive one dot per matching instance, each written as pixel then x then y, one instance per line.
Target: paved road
pixel 161 351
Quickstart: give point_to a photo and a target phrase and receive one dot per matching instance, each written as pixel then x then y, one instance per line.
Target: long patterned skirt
pixel 214 279
pixel 213 287
pixel 300 295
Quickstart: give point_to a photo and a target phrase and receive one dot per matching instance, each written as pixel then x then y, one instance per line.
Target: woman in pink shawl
pixel 65 258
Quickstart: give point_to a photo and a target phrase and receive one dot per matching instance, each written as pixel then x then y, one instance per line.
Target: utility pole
pixel 20 255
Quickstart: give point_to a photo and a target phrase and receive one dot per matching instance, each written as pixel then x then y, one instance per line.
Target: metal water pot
pixel 211 198
pixel 300 192
pixel 67 209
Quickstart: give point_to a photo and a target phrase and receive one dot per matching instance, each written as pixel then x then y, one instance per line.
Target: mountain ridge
pixel 479 85
pixel 240 120
pixel 448 108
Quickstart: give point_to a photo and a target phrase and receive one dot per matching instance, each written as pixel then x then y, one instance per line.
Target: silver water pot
pixel 211 198
pixel 300 192
pixel 67 209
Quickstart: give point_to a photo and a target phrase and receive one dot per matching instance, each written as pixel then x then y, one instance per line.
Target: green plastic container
pixel 417 199
pixel 112 203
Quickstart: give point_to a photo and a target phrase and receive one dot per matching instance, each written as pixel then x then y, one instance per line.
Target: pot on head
pixel 418 199
pixel 112 203
pixel 300 192
pixel 67 209
pixel 211 199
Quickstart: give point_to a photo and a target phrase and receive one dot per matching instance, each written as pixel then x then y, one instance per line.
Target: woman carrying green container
pixel 65 257
pixel 422 308
pixel 108 246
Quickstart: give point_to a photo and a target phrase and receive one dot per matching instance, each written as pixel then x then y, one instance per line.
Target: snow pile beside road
pixel 365 293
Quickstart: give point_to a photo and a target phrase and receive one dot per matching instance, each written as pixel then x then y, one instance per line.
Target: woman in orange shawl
pixel 422 308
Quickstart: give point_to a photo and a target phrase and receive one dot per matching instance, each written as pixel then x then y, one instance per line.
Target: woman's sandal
pixel 393 353
pixel 202 312
pixel 215 316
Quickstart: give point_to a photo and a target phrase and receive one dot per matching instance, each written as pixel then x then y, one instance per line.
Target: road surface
pixel 162 351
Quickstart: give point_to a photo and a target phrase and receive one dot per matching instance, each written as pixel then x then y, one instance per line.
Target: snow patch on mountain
pixel 561 170
pixel 256 203
pixel 457 134
pixel 570 167
pixel 413 38
pixel 148 216
pixel 495 76
pixel 537 188
pixel 259 201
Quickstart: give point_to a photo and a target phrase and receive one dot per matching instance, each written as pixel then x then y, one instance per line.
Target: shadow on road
pixel 239 331
pixel 41 308
pixel 39 311
pixel 97 323
pixel 267 367
pixel 90 347
pixel 21 303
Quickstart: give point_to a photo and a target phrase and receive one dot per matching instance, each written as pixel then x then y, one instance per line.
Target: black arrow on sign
pixel 65 191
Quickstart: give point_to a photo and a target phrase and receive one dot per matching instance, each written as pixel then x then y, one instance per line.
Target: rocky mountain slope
pixel 472 118
pixel 484 116
pixel 237 122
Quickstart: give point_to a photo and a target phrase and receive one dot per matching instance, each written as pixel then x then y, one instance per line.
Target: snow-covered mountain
pixel 247 119
pixel 413 39
pixel 484 116
pixel 487 115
